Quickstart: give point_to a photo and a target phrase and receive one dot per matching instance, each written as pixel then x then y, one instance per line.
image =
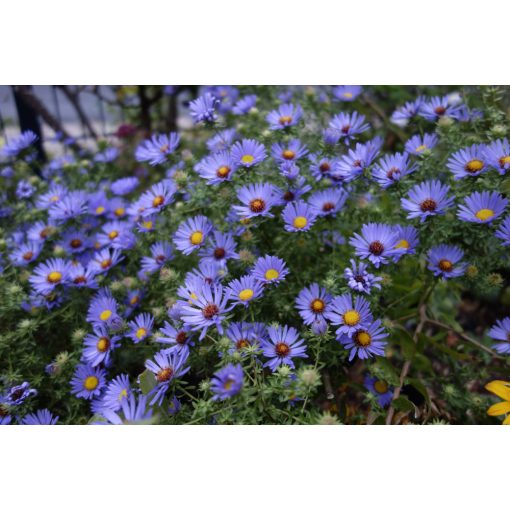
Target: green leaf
pixel 387 372
pixel 147 381
pixel 403 404
pixel 419 386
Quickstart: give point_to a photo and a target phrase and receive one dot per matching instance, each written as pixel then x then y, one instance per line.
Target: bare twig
pixel 392 127
pixel 73 98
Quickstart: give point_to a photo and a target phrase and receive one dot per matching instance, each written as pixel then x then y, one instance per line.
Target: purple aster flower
pixel 403 114
pixel 107 156
pixel 282 345
pixel 242 335
pixel 294 189
pixel 298 216
pixel 351 165
pixel 157 197
pixel 270 270
pixel 40 231
pixel 347 93
pixel 48 275
pixel 501 332
pixel 179 338
pixel 391 168
pixel 328 202
pixel 428 198
pixel 192 234
pixel 140 327
pixel 257 199
pixel 222 141
pixel 380 389
pixel 434 108
pixel 503 232
pixel 161 253
pixel 347 125
pixel 116 234
pixel 75 241
pixel 245 289
pixel 377 242
pixel 289 151
pixel 80 276
pixel 157 149
pixel 482 207
pixel 98 346
pixel 468 162
pixel 289 170
pixel 217 168
pixel 407 240
pixel 24 190
pixel 227 382
pixel 208 272
pixel 444 260
pixel 366 341
pixel 244 105
pixel 321 167
pixel 227 95
pixel 17 145
pixel 25 253
pixel 359 279
pixel 174 406
pixel 313 303
pixel 133 409
pixel 98 203
pixel 103 309
pixel 220 247
pixel 417 144
pixel 248 153
pixel 88 381
pixel 104 260
pixel 55 193
pixel 124 186
pixel 117 390
pixel 203 108
pixel 41 417
pixel 285 116
pixel 18 394
pixel 207 309
pixel 497 154
pixel 71 206
pixel 348 313
pixel 166 366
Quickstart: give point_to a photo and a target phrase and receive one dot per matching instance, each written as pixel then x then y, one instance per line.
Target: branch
pixel 75 101
pixel 392 127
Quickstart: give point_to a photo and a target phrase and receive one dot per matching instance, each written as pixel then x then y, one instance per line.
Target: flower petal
pixel 499 408
pixel 499 388
pixel 507 420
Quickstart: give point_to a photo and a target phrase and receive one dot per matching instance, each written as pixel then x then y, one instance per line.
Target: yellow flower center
pixel 351 317
pixel 164 148
pixel 318 305
pixel 105 315
pixel 288 154
pixel 113 234
pixel 348 95
pixel 285 119
pixel 247 158
pixel 402 244
pixel 363 338
pixel 445 265
pixel 271 274
pixel 102 344
pixel 196 237
pixel 223 171
pixel 157 201
pixel 55 277
pixel 120 211
pixel 300 222
pixel 228 384
pixel 100 209
pixel 485 214
pixel 381 387
pixel 505 160
pixel 147 225
pixel 91 382
pixel 421 148
pixel 474 165
pixel 122 394
pixel 246 294
pixel 141 333
pixel 54 198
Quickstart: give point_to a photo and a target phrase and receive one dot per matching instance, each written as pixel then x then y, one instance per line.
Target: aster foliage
pixel 300 255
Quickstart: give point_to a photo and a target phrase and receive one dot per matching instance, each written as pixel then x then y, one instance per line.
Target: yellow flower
pixel 501 389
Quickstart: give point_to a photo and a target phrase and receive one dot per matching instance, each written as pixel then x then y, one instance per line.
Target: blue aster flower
pixel 80 276
pixel 203 108
pixel 133 409
pixel 351 165
pixel 227 382
pixel 116 234
pixel 282 345
pixel 359 279
pixel 157 149
pixel 391 168
pixel 103 309
pixel 408 240
pixel 25 253
pixel 161 253
pixel 289 151
pixel 48 275
pixel 75 241
pixel 244 105
pixel 377 242
pixel 227 95
pixel 192 234
pixel 482 207
pixel 347 93
pixel 87 381
pixel 242 335
pixel 349 313
pixel 40 231
pixel 366 341
pixel 179 338
pixel 14 147
pixel 417 144
pixel 41 417
pixel 141 327
pixel 245 289
pixel 257 200
pixel 217 168
pixel 284 116
pixel 497 155
pixel 166 366
pixel 222 141
pixel 71 206
pixel 408 111
pixel 98 203
pixel 436 107
pixel 24 190
pixel 298 216
pixel 328 202
pixel 501 332
pixel 159 196
pixel 117 390
pixel 220 248
pixel 445 260
pixel 426 199
pixel 313 302
pixel 381 389
pixel 321 166
pixel 98 346
pixel 468 162
pixel 124 185
pixel 109 155
pixel 248 153
pixel 503 231
pixel 105 259
pixel 346 126
pixel 207 309
pixel 270 270
pixel 16 395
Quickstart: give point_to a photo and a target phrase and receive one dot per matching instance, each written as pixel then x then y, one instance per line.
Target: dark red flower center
pixel 376 247
pixel 282 349
pixel 210 311
pixel 428 205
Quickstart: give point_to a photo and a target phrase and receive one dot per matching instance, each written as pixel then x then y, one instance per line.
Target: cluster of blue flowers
pixel 87 237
